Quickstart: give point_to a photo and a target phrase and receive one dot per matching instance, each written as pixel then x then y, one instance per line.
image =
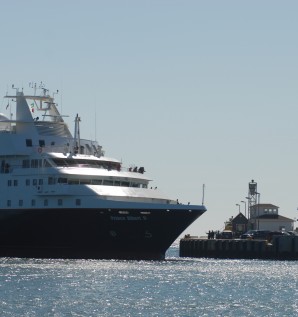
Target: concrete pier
pixel 281 248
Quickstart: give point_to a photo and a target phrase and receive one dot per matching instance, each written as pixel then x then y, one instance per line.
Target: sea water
pixel 174 287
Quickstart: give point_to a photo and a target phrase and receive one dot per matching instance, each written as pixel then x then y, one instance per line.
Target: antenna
pixel 61 103
pixel 203 194
pixel 76 140
pixel 95 124
pixel 33 85
pixel 13 87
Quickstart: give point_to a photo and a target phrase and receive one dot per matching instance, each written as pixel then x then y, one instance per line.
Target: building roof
pixel 241 217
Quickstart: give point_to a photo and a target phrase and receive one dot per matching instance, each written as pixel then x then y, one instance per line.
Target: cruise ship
pixel 61 197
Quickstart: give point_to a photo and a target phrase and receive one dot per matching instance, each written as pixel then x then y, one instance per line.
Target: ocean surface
pixel 174 287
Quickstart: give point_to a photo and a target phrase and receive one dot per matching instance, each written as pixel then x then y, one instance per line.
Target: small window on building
pixel 33 202
pixel 9 203
pixel 28 142
pixel 40 182
pixel 34 182
pixel 21 202
pixel 27 182
pixel 9 182
pixel 78 202
pixel 15 182
pixel 45 202
pixel 52 143
pixel 60 202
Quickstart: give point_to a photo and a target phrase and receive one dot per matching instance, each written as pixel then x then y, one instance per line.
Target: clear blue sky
pixel 198 92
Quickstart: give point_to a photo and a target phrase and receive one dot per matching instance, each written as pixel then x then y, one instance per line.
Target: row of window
pixel 35 163
pixel 274 210
pixel 35 182
pixel 45 202
pixel 69 181
pixel 70 162
pixel 41 143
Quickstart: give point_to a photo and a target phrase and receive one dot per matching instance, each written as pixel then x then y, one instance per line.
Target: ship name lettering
pixel 128 218
pixel 133 218
pixel 117 218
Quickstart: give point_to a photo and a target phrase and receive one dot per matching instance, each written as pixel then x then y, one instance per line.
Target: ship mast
pixel 76 139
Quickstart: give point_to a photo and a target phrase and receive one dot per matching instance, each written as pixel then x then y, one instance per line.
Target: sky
pixel 198 92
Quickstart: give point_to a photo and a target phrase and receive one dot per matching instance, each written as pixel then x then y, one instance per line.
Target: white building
pixel 266 217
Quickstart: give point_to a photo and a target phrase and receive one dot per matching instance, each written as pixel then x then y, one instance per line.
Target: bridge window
pixel 51 181
pixel 34 163
pixel 47 164
pixel 62 180
pixel 96 181
pixel 107 182
pixel 125 184
pixel 26 163
pixel 73 182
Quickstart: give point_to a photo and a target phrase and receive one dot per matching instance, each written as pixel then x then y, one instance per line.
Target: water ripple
pixel 175 287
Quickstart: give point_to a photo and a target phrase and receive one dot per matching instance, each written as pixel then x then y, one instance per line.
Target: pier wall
pixel 281 248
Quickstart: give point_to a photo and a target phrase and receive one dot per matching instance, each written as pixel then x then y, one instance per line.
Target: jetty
pixel 280 248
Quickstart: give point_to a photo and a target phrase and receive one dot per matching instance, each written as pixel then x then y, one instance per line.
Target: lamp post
pixel 258 209
pixel 248 206
pixel 244 202
pixel 238 207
